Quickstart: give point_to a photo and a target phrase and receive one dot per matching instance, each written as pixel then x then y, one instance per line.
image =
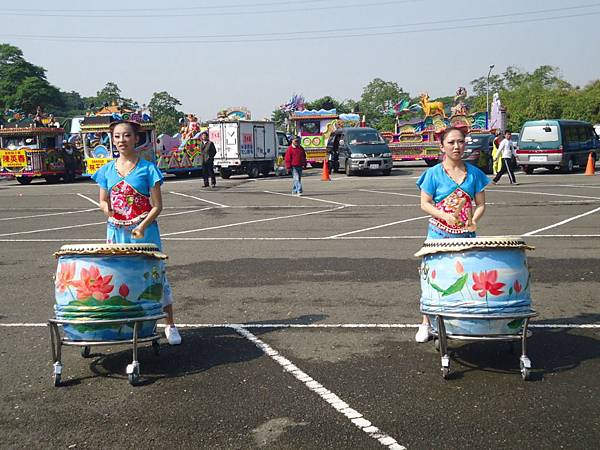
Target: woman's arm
pixel 428 206
pixel 479 207
pixel 156 200
pixel 104 203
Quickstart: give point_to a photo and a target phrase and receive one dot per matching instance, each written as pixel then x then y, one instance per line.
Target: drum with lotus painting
pixel 485 275
pixel 108 281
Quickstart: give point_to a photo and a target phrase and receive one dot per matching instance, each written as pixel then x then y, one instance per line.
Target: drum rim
pixel 111 249
pixel 432 246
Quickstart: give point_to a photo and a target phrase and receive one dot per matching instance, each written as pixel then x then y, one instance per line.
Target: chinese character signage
pixel 13 158
pixel 93 164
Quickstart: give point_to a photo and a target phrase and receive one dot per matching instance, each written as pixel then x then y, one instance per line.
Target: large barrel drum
pixel 484 276
pixel 106 282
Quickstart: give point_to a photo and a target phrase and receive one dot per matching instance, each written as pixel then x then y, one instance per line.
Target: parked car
pixel 478 151
pixel 360 150
pixel 556 144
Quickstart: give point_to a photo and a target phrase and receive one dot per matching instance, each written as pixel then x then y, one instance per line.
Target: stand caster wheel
pixel 57 372
pixel 156 347
pixel 133 373
pixel 525 374
pixel 525 365
pixel 445 373
pixel 85 351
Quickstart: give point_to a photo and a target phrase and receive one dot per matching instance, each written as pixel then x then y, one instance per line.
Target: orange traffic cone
pixel 589 170
pixel 325 175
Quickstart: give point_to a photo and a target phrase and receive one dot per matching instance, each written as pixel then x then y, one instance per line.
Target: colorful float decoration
pixel 31 147
pixel 417 139
pixel 315 127
pixel 97 142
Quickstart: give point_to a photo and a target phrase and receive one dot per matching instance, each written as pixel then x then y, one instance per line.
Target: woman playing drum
pixel 452 192
pixel 130 197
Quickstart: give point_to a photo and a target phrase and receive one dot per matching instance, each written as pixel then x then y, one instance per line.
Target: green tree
pixel 109 95
pixel 33 92
pixel 376 100
pixel 327 102
pixel 165 115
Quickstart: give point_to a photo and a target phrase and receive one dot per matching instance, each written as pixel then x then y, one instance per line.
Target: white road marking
pixel 50 214
pixel 390 193
pixel 313 325
pixel 336 402
pixel 562 222
pixel 309 198
pixel 229 225
pixel 200 199
pixel 89 199
pixel 54 229
pixel 542 193
pixel 378 226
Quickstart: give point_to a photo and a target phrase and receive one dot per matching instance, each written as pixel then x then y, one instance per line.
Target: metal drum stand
pixel 133 369
pixel 441 337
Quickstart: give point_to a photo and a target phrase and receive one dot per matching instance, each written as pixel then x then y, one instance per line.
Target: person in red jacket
pixel 295 161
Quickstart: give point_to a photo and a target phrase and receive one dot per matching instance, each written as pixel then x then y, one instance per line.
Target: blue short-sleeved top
pixel 142 178
pixel 437 183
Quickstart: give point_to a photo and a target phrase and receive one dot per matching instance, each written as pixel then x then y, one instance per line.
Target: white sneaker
pixel 172 334
pixel 423 334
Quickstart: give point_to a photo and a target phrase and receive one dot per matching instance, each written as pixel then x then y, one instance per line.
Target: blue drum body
pixel 485 276
pixel 104 282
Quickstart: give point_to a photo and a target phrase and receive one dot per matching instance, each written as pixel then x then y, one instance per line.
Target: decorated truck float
pixel 29 149
pixel 315 127
pixel 97 142
pixel 417 139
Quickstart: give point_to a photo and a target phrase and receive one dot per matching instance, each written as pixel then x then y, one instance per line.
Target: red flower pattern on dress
pixel 458 203
pixel 64 278
pixel 517 286
pixel 129 206
pixel 92 284
pixel 486 282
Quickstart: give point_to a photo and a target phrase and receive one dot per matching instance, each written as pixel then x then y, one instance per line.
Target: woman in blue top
pixel 130 197
pixel 452 192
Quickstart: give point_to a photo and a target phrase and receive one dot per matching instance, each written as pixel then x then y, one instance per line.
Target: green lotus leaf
pixel 457 286
pixel 153 293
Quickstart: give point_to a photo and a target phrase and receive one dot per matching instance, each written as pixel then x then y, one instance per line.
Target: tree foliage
pixel 376 100
pixel 165 114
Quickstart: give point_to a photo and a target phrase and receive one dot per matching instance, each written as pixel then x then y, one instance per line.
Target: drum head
pixel 111 249
pixel 431 246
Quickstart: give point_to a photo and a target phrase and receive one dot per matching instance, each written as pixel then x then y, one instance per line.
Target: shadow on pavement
pixel 550 351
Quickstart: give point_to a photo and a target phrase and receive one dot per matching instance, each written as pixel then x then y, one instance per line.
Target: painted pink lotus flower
pixel 459 267
pixel 92 284
pixel 487 282
pixel 517 286
pixel 124 290
pixel 64 278
pixel 433 274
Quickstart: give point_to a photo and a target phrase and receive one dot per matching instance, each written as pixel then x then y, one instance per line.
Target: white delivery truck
pixel 244 146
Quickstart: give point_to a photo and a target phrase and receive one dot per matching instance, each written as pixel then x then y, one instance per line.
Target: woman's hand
pixel 138 232
pixel 451 219
pixel 472 227
pixel 107 211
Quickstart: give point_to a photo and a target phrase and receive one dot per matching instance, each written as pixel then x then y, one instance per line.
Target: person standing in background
pixel 295 161
pixel 208 157
pixel 506 152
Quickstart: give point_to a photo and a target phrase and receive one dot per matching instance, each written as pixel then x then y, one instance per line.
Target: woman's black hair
pixel 134 125
pixel 444 133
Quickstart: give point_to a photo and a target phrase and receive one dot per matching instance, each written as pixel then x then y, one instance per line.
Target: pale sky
pixel 310 47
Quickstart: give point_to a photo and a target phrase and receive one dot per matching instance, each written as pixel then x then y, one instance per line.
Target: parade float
pixel 32 147
pixel 97 142
pixel 181 154
pixel 314 127
pixel 417 139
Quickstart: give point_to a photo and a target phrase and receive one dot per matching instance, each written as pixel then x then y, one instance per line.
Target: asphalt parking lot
pixel 298 316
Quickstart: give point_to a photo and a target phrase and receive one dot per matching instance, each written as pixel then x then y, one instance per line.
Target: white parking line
pixel 229 225
pixel 309 198
pixel 50 214
pixel 54 229
pixel 390 193
pixel 540 193
pixel 198 198
pixel 336 402
pixel 562 222
pixel 89 199
pixel 316 325
pixel 378 226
